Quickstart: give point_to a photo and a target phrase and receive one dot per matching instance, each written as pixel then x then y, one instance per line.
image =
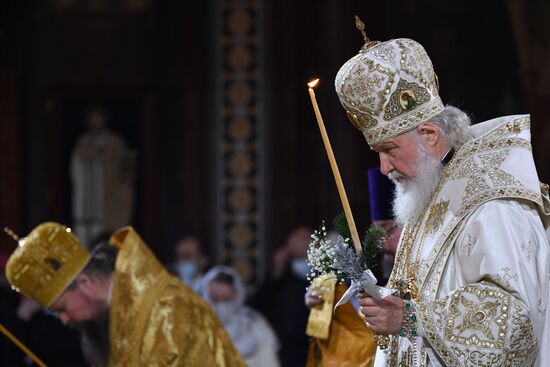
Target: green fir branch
pixel 371 246
pixel 341 226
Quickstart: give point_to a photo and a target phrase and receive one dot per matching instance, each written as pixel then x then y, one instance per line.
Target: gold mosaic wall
pixel 239 183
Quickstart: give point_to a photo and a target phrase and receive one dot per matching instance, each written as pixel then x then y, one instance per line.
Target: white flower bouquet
pixel 336 260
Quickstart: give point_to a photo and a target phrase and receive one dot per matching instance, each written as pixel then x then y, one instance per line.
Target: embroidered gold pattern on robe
pixel 504 325
pixel 407 358
pixel 158 321
pixel 479 172
pixel 436 215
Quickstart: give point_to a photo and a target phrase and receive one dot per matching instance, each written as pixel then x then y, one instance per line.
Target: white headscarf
pixel 237 318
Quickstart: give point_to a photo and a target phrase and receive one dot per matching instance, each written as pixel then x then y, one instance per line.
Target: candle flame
pixel 313 83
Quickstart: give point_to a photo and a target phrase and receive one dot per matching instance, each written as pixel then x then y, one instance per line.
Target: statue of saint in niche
pixel 102 174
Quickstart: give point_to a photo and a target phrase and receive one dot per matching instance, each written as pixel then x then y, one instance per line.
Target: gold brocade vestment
pixel 155 320
pixel 349 344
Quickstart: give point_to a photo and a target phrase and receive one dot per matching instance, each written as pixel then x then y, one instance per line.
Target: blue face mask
pixel 187 271
pixel 300 268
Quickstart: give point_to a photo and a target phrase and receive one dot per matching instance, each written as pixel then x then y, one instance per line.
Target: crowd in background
pixel 268 327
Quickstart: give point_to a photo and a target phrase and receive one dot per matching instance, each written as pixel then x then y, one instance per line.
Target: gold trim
pixel 46 262
pixel 320 317
pixel 405 122
pixel 428 277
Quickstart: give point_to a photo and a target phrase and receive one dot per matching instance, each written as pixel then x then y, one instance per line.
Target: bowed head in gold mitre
pixel 46 262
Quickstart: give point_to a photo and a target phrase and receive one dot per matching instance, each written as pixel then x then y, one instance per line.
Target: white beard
pixel 412 195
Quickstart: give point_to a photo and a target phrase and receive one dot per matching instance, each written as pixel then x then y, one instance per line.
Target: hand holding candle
pixel 335 171
pixel 366 282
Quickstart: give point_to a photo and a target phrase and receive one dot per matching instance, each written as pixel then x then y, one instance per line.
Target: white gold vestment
pixel 483 279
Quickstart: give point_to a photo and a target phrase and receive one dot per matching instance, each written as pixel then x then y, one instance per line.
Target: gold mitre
pixel 388 88
pixel 46 262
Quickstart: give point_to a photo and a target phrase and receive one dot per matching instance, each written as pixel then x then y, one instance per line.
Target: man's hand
pixel 383 316
pixel 312 300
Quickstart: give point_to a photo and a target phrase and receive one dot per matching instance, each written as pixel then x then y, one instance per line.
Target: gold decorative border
pixel 505 136
pixel 510 329
pixel 404 123
pixel 238 184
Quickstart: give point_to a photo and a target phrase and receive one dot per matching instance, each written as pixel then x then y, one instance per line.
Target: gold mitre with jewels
pixel 388 88
pixel 46 262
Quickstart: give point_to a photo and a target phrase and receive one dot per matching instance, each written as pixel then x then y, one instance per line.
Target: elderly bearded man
pixel 472 267
pixel 130 311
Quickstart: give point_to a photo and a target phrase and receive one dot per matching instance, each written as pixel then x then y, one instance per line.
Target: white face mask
pixel 187 271
pixel 300 268
pixel 225 311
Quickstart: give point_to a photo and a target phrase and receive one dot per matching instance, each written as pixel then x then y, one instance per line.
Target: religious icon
pixel 407 100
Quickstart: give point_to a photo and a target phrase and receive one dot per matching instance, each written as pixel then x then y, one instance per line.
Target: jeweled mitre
pixel 388 88
pixel 46 262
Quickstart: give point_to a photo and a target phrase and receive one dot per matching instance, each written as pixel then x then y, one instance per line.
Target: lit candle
pixel 335 171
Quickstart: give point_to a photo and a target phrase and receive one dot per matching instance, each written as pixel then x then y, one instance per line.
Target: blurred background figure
pixel 389 248
pixel 381 191
pixel 281 297
pixel 254 338
pixel 190 262
pixel 102 174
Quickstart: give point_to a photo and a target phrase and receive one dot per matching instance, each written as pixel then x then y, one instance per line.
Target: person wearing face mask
pixel 190 262
pixel 128 309
pixel 280 297
pixel 381 196
pixel 251 333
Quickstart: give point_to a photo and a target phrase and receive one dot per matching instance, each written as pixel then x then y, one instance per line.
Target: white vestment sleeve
pixel 491 303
